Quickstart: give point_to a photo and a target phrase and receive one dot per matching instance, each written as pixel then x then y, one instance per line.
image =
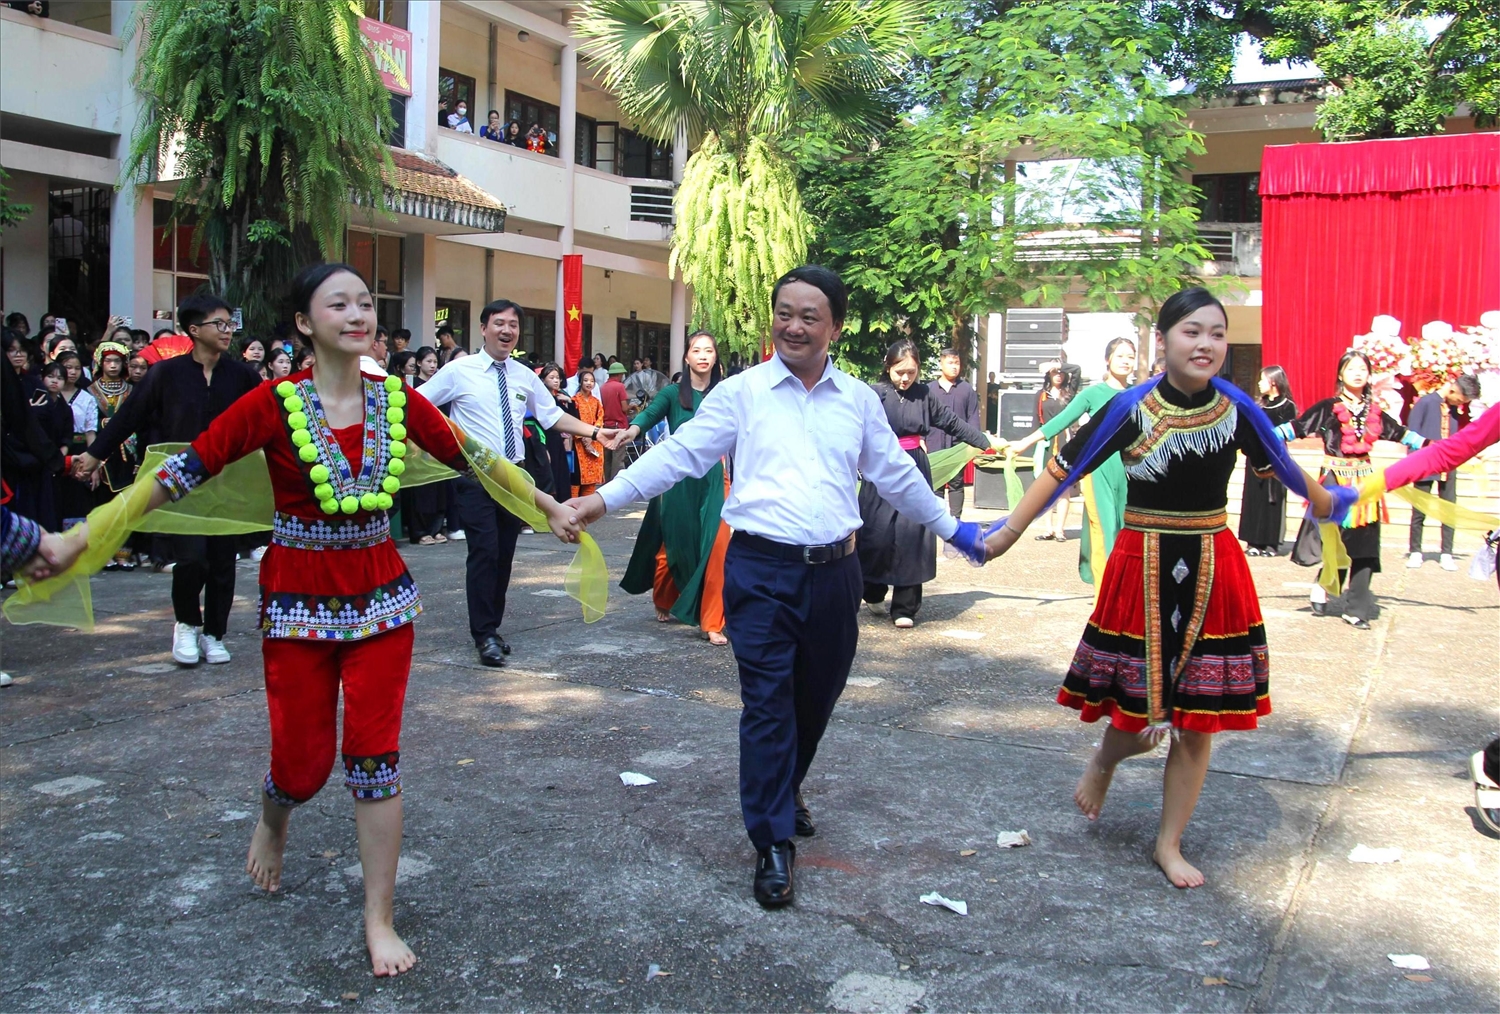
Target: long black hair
pixel 1277 378
pixel 902 348
pixel 685 385
pixel 311 277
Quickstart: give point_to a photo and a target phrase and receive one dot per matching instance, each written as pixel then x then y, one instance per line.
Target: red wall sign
pixel 390 48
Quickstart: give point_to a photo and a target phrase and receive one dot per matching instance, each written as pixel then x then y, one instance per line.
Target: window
pixel 392 12
pixel 539 338
pixel 643 157
pixel 640 338
pixel 381 260
pixel 455 314
pixel 78 256
pixel 455 88
pixel 180 268
pixel 397 137
pixel 1229 197
pixel 526 110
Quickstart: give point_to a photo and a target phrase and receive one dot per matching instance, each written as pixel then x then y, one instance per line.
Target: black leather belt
pixel 826 553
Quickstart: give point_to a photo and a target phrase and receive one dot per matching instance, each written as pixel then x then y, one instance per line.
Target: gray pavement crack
pixel 104 723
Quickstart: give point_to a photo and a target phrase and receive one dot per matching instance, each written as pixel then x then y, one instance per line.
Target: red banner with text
pixel 572 287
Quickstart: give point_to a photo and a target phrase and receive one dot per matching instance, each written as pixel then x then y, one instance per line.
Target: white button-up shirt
pixel 798 455
pixel 470 387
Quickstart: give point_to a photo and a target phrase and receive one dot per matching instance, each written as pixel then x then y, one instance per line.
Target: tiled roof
pixel 426 188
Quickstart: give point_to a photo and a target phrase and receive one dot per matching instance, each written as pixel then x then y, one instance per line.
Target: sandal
pixel 717 638
pixel 1044 537
pixel 427 540
pixel 440 538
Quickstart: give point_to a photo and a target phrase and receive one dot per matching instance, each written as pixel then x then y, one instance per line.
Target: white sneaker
pixel 457 535
pixel 5 679
pixel 1447 562
pixel 905 622
pixel 258 552
pixel 878 608
pixel 1414 561
pixel 214 652
pixel 185 644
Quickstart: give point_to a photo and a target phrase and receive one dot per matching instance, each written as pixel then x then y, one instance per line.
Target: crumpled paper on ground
pixel 1365 854
pixel 961 907
pixel 1415 962
pixel 636 778
pixel 1013 839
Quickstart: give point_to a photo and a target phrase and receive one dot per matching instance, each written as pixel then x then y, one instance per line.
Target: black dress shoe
pixel 773 875
pixel 805 826
pixel 1319 608
pixel 491 653
pixel 504 644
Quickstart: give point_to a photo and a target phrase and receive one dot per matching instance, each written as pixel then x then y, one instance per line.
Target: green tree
pixel 275 114
pixel 937 224
pixel 740 79
pixel 12 213
pixel 1395 75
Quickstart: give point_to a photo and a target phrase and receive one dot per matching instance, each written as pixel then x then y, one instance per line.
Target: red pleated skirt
pixel 1225 681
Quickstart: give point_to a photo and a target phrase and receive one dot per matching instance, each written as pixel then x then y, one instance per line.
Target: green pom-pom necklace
pixel 335 488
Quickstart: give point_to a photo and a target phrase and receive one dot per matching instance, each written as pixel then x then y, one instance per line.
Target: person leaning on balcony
pixel 459 119
pixel 536 139
pixel 513 135
pixel 493 131
pixel 40 8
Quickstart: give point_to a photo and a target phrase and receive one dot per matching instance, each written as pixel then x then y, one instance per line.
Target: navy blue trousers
pixel 794 627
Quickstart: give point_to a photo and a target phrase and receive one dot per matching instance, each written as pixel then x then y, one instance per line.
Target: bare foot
pixel 264 861
pixel 1093 785
pixel 389 954
pixel 662 616
pixel 717 638
pixel 1178 870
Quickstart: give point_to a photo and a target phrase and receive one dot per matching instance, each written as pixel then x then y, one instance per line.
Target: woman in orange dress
pixel 588 471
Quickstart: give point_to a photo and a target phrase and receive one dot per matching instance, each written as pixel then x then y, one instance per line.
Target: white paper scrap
pixel 1365 854
pixel 1415 962
pixel 1013 839
pixel 961 907
pixel 636 778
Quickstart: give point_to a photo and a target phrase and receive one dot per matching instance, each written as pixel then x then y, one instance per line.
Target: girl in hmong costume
pixel 1176 639
pixel 1349 425
pixel 679 554
pixel 110 389
pixel 336 601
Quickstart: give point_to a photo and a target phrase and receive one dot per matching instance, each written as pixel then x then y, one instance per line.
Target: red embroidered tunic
pixel 304 592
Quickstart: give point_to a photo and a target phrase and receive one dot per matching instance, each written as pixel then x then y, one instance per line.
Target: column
pixel 419 308
pixel 679 287
pixel 130 254
pixel 425 20
pixel 25 250
pixel 567 125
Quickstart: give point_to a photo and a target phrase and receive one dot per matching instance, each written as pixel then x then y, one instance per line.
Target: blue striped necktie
pixel 507 414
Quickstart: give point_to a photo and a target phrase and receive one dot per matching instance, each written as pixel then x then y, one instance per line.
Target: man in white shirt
pixel 802 433
pixel 489 395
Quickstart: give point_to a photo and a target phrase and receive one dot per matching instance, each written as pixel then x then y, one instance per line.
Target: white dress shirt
pixel 798 455
pixel 470 386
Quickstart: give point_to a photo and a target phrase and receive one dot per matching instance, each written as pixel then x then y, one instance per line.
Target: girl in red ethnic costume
pixel 1176 639
pixel 336 601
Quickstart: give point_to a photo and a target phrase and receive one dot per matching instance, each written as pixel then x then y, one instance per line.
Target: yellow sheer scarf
pixel 239 500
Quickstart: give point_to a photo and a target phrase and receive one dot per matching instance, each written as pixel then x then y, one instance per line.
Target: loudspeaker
pixel 1018 414
pixel 989 488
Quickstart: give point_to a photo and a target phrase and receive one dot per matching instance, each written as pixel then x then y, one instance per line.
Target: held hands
pixel 56 553
pixel 588 509
pixel 563 520
pixel 968 542
pixel 85 465
pixel 620 438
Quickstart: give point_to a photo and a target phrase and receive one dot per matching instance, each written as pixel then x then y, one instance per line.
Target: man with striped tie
pixel 489 396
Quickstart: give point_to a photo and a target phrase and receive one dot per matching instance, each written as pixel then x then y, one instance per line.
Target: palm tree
pixel 735 80
pixel 274 114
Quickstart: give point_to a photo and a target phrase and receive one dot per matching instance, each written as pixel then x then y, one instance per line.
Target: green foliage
pixel 933 229
pixel 12 213
pixel 741 78
pixel 740 226
pixel 276 115
pixel 1394 79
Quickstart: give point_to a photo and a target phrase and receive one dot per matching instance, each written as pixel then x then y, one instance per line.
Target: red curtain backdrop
pixel 1406 227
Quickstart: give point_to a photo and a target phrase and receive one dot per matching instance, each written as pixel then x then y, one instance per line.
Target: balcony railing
pixel 651 204
pixel 1233 247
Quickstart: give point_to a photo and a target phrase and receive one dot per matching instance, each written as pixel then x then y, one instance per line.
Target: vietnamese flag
pixel 572 287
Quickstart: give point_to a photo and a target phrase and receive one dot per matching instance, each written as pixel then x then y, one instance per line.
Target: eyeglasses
pixel 224 326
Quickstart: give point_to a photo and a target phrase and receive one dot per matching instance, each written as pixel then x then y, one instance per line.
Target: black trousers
pixel 492 533
pixel 905 600
pixel 956 497
pixel 794 627
pixel 1447 490
pixel 204 566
